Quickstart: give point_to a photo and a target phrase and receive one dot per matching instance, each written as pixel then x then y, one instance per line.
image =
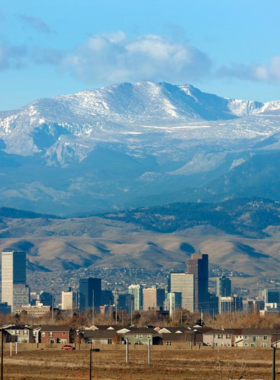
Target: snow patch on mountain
pixel 150 110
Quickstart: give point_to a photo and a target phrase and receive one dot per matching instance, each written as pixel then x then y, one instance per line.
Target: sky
pixel 50 48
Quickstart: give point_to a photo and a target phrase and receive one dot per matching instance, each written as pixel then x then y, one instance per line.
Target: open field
pixel 167 363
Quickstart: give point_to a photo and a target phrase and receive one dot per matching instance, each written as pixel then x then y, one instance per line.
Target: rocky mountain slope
pixel 132 144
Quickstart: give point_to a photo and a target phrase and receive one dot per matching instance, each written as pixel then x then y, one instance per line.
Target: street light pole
pixel 2 354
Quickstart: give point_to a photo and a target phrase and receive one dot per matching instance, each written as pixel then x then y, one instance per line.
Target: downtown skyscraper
pixel 184 284
pixel 14 289
pixel 89 293
pixel 197 265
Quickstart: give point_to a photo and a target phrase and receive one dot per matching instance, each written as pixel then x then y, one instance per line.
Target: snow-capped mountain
pixel 126 141
pixel 122 108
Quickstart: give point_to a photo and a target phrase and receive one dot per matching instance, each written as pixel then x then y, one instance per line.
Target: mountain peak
pixel 121 108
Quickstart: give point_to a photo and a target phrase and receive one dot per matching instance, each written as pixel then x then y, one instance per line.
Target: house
pixel 259 338
pixel 19 334
pixel 218 338
pixel 54 334
pixel 143 336
pixel 100 336
pixel 187 338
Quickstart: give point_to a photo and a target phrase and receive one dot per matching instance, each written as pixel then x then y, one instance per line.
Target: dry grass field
pixel 167 363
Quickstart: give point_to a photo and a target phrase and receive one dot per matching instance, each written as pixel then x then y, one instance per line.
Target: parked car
pixel 68 347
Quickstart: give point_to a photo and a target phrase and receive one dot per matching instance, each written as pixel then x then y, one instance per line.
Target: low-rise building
pixel 34 311
pixel 143 336
pixel 54 334
pixel 100 337
pixel 218 338
pixel 19 334
pixel 258 338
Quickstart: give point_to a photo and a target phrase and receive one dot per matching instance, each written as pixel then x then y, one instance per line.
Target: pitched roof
pixel 106 327
pixel 16 327
pixel 256 331
pixel 55 328
pixel 218 331
pixel 176 337
pixel 142 331
pixel 99 334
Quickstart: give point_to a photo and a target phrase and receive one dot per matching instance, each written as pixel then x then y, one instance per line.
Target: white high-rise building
pixel 137 292
pixel 14 288
pixel 68 300
pixel 174 302
pixel 184 283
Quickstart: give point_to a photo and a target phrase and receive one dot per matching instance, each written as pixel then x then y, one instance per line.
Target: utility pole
pixel 90 364
pixel 201 317
pixel 127 352
pixel 131 307
pixel 149 351
pixel 53 300
pixel 273 362
pixel 181 316
pixel 93 306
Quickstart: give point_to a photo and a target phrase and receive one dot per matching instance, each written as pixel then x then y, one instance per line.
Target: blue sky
pixel 49 48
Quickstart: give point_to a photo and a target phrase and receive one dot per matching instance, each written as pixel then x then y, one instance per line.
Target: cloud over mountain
pixel 260 72
pixel 107 58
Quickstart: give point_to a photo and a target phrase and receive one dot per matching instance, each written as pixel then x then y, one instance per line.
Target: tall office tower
pixel 197 265
pixel 46 298
pixel 153 298
pixel 21 296
pixel 107 298
pixel 184 283
pixel 14 288
pixel 271 296
pixel 137 292
pixel 68 300
pixel 126 302
pixel 90 293
pixel 223 287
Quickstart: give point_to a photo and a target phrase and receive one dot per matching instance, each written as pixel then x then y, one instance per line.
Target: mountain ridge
pixel 107 148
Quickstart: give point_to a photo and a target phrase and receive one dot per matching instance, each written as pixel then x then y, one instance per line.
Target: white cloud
pixel 109 58
pixel 112 58
pixel 269 73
